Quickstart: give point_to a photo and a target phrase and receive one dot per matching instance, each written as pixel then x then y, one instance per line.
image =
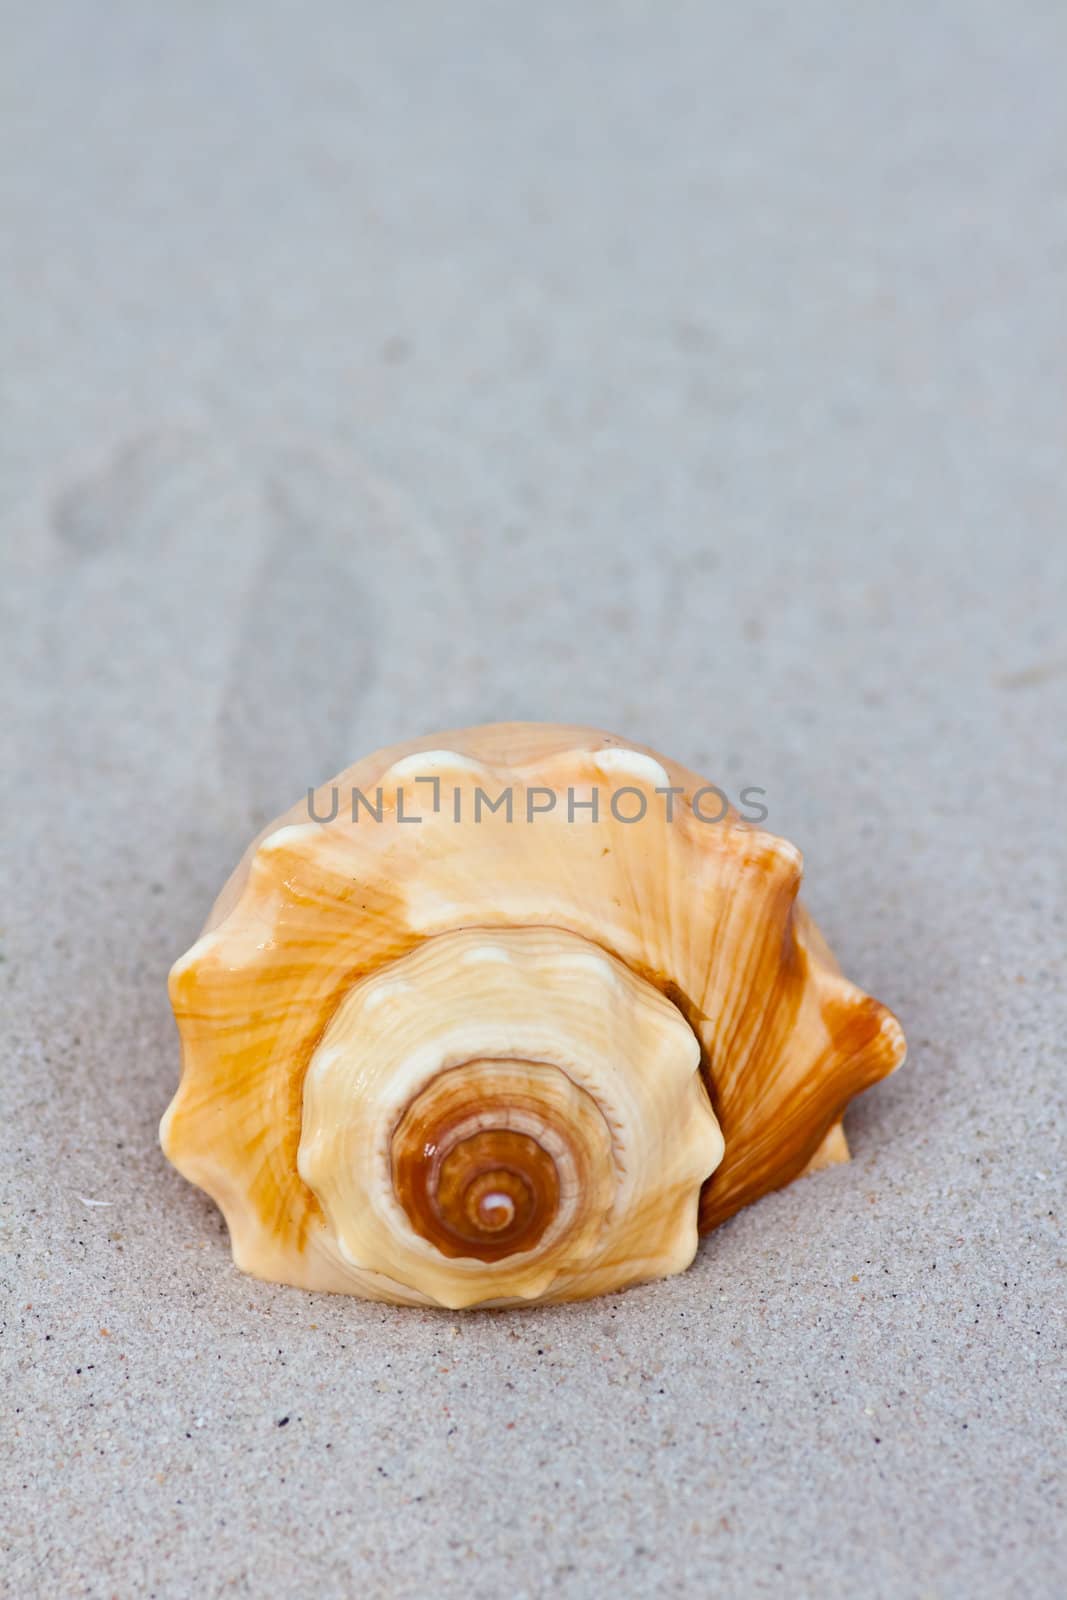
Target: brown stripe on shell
pixel 484 1164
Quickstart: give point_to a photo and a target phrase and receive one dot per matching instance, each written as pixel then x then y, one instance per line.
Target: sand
pixel 690 370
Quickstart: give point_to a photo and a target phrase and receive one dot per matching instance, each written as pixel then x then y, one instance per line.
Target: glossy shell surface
pixel 509 1014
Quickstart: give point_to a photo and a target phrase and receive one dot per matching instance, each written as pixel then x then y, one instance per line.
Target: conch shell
pixel 508 1015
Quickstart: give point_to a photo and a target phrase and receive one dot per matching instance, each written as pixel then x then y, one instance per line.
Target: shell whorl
pixel 499 1147
pixel 492 1157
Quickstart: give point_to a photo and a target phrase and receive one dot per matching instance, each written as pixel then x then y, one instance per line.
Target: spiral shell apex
pixel 504 1016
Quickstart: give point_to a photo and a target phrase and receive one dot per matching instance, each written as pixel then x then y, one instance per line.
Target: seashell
pixel 512 1014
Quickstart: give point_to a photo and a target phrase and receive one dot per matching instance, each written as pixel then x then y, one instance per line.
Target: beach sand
pixel 692 371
